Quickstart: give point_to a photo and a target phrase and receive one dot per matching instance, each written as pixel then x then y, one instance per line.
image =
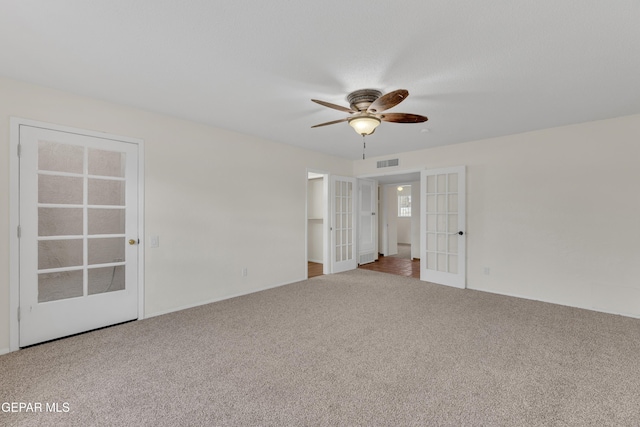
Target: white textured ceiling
pixel 477 69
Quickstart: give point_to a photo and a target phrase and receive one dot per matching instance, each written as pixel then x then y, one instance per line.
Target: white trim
pixel 373 211
pixel 14 214
pixel 14 242
pixel 546 301
pixel 326 234
pixel 383 212
pixel 306 223
pixel 75 237
pixel 81 175
pixel 211 301
pixel 4 351
pixel 325 224
pixel 141 233
pixel 390 219
pixel 391 173
pixel 68 129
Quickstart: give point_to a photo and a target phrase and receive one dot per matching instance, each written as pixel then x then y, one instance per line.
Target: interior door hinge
pixel 19 232
pixel 18 314
pixel 19 150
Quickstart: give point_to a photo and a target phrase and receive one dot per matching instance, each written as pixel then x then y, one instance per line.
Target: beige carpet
pixel 358 348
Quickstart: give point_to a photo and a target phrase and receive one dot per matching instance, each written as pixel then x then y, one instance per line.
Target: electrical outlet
pixel 245 272
pixel 487 271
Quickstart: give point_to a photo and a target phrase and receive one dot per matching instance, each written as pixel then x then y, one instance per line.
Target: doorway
pixel 438 208
pixel 399 225
pixel 79 220
pixel 317 194
pixel 404 225
pixel 333 215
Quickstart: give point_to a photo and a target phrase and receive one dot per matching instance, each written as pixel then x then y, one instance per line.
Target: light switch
pixel 154 241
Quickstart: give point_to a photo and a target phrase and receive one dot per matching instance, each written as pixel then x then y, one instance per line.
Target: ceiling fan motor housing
pixel 360 100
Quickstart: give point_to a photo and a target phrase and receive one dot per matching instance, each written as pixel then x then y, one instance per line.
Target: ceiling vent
pixel 388 163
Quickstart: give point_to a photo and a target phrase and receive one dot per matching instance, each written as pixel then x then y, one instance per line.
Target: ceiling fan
pixel 366 112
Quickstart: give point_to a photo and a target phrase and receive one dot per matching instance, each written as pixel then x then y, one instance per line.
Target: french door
pixel 343 217
pixel 78 246
pixel 442 225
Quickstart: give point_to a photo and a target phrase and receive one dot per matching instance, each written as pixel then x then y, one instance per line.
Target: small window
pixel 404 201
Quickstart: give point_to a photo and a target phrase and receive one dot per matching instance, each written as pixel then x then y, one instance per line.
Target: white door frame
pixel 383 212
pixel 14 216
pixel 326 249
pixel 372 212
pixel 390 227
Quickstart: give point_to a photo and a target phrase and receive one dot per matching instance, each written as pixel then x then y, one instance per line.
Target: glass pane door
pixel 78 212
pixel 343 227
pixel 81 221
pixel 443 223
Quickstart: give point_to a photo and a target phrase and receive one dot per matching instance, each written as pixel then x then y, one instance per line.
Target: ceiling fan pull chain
pixel 364 146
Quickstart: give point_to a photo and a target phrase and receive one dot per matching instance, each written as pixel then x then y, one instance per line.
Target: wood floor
pixel 315 269
pixel 391 265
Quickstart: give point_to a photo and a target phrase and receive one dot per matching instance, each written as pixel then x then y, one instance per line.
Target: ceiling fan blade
pixel 388 100
pixel 403 118
pixel 331 123
pixel 334 106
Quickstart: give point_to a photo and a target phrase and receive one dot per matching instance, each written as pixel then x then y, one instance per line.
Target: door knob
pixel 132 242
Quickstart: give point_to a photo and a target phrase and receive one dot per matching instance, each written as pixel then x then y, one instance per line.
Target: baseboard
pixel 185 307
pixel 506 294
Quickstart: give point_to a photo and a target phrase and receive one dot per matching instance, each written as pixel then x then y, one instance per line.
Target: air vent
pixel 388 163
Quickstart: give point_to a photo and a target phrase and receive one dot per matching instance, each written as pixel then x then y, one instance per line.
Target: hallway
pixel 400 264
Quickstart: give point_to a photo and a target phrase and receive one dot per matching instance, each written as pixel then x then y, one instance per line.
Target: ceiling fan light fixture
pixel 364 125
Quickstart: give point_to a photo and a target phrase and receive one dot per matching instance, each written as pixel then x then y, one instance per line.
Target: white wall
pixel 220 201
pixel 554 214
pixel 404 230
pixel 391 219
